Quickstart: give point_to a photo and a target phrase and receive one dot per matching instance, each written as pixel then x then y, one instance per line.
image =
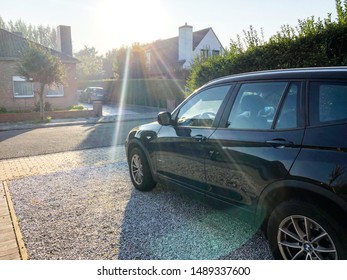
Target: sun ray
pixel 122 99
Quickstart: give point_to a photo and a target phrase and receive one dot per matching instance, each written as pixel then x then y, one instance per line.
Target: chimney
pixel 64 43
pixel 185 44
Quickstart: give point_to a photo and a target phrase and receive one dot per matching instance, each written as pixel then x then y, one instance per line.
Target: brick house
pixel 166 58
pixel 18 94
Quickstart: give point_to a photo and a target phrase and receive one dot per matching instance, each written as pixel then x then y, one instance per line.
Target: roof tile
pixel 12 47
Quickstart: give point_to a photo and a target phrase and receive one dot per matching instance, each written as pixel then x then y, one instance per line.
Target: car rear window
pixel 327 102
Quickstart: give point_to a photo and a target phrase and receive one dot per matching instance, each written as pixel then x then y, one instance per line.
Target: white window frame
pixel 57 90
pixel 21 79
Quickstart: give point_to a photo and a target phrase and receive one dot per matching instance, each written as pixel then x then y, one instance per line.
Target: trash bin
pixel 97 108
pixel 170 105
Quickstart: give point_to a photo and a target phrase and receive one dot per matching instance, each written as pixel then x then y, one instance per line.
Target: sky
pixel 108 24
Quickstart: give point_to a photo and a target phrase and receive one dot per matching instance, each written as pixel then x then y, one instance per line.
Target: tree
pixel 137 62
pixel 44 35
pixel 109 64
pixel 126 59
pixel 2 23
pixel 39 66
pixel 121 60
pixel 91 64
pixel 341 10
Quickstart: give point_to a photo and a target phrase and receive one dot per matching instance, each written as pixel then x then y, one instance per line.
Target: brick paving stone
pixel 35 165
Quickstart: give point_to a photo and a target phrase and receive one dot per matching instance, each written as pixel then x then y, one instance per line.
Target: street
pixel 22 143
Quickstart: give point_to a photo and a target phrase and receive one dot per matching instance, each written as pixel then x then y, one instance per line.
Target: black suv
pixel 272 143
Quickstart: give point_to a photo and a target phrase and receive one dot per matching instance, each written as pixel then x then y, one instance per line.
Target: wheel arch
pixel 281 191
pixel 135 143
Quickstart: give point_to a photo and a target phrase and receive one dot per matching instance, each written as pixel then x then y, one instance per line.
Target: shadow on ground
pixel 165 224
pixel 93 212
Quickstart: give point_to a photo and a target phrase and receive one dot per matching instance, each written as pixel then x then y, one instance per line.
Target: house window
pixel 54 90
pixel 22 88
pixel 215 52
pixel 204 53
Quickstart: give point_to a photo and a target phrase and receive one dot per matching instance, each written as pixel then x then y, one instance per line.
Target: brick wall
pixel 8 101
pixel 18 117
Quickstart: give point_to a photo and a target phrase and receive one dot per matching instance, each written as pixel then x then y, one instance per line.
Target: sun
pixel 125 22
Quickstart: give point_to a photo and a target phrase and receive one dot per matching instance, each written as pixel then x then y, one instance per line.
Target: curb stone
pixel 70 122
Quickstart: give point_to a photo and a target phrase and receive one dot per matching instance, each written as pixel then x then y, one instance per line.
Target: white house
pixel 166 58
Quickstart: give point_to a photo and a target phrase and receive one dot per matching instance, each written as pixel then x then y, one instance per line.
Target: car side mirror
pixel 164 118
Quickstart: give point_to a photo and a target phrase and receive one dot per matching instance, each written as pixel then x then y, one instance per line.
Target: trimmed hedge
pixel 147 92
pixel 324 45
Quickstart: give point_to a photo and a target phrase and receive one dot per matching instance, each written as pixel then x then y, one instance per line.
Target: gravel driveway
pixel 94 213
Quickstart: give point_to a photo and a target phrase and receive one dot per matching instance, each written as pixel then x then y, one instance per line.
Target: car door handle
pixel 279 143
pixel 199 138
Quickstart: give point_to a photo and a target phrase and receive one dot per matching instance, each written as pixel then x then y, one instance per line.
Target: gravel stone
pixel 93 212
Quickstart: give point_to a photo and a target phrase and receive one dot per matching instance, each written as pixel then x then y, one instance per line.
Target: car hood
pixel 146 131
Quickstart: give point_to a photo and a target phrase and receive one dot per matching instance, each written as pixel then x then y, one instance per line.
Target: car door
pixel 180 147
pixel 323 158
pixel 256 142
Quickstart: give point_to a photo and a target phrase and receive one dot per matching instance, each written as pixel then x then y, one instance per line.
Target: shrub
pixel 3 110
pixel 76 107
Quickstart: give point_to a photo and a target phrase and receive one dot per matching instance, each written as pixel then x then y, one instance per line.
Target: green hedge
pixel 326 45
pixel 147 92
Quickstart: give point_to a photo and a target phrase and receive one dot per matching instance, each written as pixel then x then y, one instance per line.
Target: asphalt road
pixel 30 142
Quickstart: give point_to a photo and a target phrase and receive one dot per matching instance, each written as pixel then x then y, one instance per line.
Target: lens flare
pixel 120 117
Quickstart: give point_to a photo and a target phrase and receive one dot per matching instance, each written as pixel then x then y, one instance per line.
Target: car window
pixel 255 105
pixel 327 102
pixel 99 90
pixel 202 108
pixel 288 116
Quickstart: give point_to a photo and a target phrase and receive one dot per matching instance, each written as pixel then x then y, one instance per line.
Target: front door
pixel 181 147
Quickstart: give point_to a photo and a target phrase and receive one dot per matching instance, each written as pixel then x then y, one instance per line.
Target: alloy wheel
pixel 301 238
pixel 137 169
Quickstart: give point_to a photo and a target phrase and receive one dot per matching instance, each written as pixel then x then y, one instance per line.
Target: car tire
pixel 140 172
pixel 301 230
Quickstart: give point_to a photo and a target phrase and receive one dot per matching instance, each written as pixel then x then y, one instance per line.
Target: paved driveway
pixel 81 205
